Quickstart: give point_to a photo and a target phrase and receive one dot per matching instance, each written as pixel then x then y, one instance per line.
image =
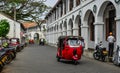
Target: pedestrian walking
pixel 111 41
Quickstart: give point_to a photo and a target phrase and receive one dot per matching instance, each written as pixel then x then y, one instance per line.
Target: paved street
pixel 42 59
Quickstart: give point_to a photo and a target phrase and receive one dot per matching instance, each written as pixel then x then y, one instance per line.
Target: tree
pixel 28 10
pixel 4 28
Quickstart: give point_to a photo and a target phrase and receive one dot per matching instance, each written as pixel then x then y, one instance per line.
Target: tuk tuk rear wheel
pixel 58 59
pixel 75 62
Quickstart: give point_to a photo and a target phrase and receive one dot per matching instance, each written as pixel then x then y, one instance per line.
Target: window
pixel 71 4
pixel 77 2
pixel 91 27
pixel 61 9
pixel 64 6
pixel 111 24
pixel 55 14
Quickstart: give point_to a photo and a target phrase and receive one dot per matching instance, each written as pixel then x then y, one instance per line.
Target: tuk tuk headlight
pixel 76 55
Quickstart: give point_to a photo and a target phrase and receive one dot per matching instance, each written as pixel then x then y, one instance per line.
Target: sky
pixel 51 2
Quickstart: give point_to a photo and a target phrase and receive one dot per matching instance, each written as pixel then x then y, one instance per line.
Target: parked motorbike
pixel 3 59
pixel 11 54
pixel 1 66
pixel 116 56
pixel 6 56
pixel 100 52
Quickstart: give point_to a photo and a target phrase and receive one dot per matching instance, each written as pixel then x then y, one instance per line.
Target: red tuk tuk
pixel 14 42
pixel 69 48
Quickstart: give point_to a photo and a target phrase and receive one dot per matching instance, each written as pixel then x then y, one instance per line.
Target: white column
pixel 52 37
pixel 118 25
pixel 74 3
pixel 56 38
pixel 63 7
pixel 84 34
pixel 98 31
pixel 68 6
pixel 60 10
pixel 69 32
pixel 63 33
pixel 56 13
pixel 49 37
pixel 118 30
pixel 53 16
pixel 75 31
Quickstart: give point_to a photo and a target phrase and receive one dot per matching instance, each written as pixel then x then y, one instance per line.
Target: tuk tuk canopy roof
pixel 63 37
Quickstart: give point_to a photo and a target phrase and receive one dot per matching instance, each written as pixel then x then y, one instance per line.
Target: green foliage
pixel 31 10
pixel 4 28
pixel 27 10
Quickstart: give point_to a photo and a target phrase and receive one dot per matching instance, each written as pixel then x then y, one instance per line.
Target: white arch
pixel 77 26
pixel 86 16
pixel 86 29
pixel 70 27
pixel 77 21
pixel 99 15
pixel 31 35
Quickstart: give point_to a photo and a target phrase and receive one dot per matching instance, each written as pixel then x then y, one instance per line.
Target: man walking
pixel 111 41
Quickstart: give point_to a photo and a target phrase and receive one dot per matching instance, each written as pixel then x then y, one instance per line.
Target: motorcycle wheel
pixel 103 58
pixel 13 54
pixel 1 66
pixel 96 56
pixel 9 59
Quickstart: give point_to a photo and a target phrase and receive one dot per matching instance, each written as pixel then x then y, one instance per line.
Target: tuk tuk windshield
pixel 73 42
pixel 13 41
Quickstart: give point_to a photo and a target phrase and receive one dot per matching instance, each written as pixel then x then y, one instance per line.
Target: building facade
pixel 91 19
pixel 33 31
pixel 15 27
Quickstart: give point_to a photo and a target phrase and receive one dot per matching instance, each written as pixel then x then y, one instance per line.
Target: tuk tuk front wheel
pixel 58 59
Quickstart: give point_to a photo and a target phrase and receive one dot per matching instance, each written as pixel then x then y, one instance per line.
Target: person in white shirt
pixel 111 41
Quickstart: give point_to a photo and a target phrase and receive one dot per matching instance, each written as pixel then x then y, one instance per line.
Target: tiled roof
pixel 29 24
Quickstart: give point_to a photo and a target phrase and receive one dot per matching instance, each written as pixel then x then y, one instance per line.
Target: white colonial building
pixel 91 19
pixel 33 31
pixel 15 27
